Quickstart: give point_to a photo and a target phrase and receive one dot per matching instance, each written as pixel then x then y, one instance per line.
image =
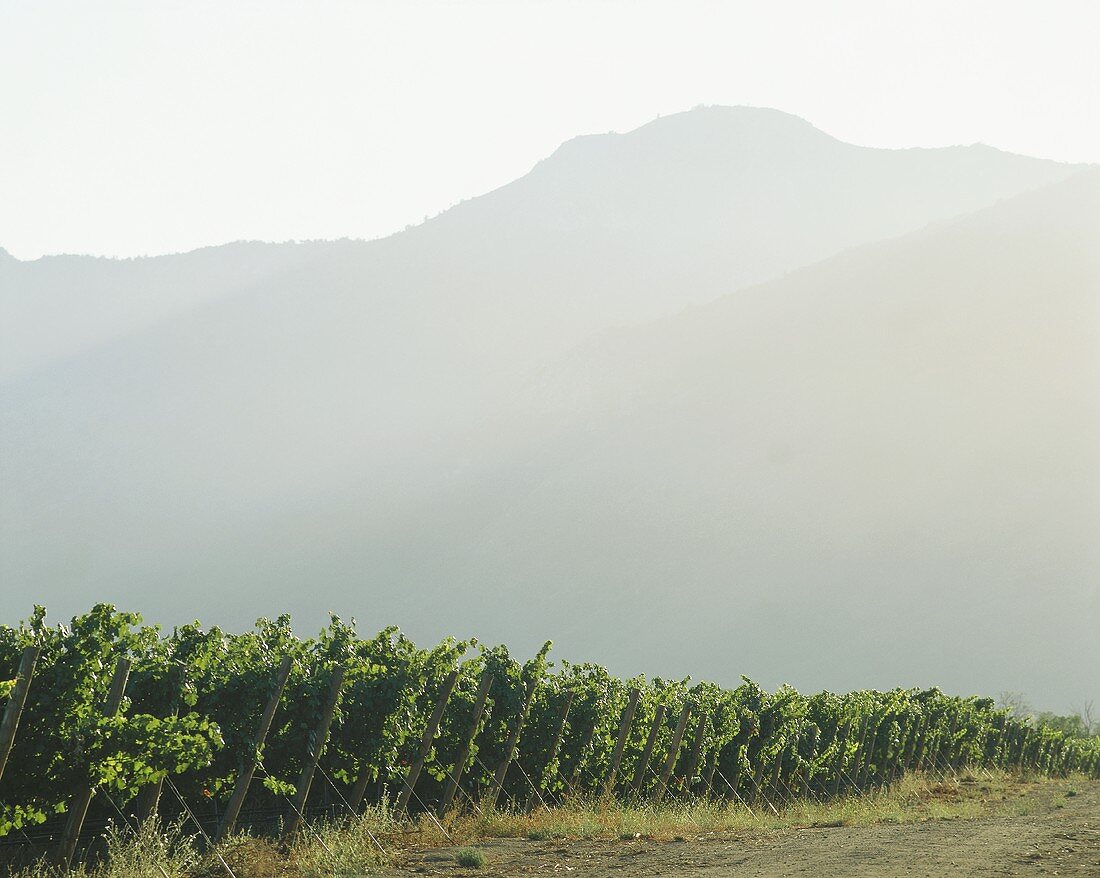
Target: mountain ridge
pixel 653 220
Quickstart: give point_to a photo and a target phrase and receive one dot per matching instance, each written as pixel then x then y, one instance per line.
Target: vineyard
pixel 107 719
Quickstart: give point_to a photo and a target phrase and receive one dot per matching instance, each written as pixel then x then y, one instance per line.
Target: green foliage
pixel 470 858
pixel 65 743
pixel 194 698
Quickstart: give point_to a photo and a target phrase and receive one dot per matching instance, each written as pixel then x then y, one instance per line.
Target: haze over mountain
pixel 500 422
pixel 830 471
pixel 610 228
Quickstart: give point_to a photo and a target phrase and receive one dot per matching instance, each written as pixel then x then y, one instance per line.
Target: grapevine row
pixel 356 721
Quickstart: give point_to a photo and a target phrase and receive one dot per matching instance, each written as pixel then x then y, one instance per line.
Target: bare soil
pixel 1058 835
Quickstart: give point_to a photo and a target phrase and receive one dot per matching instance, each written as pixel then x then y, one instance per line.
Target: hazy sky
pixel 151 127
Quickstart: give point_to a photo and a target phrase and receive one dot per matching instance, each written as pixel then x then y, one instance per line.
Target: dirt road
pixel 1060 836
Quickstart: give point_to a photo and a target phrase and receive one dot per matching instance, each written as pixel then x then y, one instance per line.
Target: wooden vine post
pixel 559 734
pixel 920 760
pixel 769 793
pixel 149 798
pixel 620 742
pixel 901 759
pixel 906 752
pixel 870 740
pixel 16 700
pixel 708 772
pixel 861 754
pixel 916 755
pixel 426 741
pixel 935 752
pixel 483 687
pixel 773 781
pixel 359 791
pixel 673 755
pixel 586 742
pixel 78 808
pixel 842 738
pixel 696 752
pixel 647 751
pixel 317 740
pixel 510 748
pixel 947 746
pixel 734 780
pixel 555 746
pixel 1008 747
pixel 1002 749
pixel 760 786
pixel 815 736
pixel 929 756
pixel 248 770
pixel 758 777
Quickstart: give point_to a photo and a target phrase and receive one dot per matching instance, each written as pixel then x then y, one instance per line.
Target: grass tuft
pixel 343 847
pixel 470 858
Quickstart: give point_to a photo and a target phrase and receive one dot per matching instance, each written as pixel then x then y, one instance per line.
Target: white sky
pixel 152 127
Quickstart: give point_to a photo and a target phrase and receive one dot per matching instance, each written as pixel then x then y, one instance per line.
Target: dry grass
pixel 153 851
pixel 914 798
pixel 344 847
pixel 362 845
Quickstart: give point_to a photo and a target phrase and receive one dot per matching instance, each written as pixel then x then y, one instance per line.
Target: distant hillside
pixel 59 306
pixel 611 228
pixel 499 423
pixel 893 448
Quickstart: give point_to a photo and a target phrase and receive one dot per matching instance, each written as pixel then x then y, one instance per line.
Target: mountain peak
pixel 713 127
pixel 737 116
